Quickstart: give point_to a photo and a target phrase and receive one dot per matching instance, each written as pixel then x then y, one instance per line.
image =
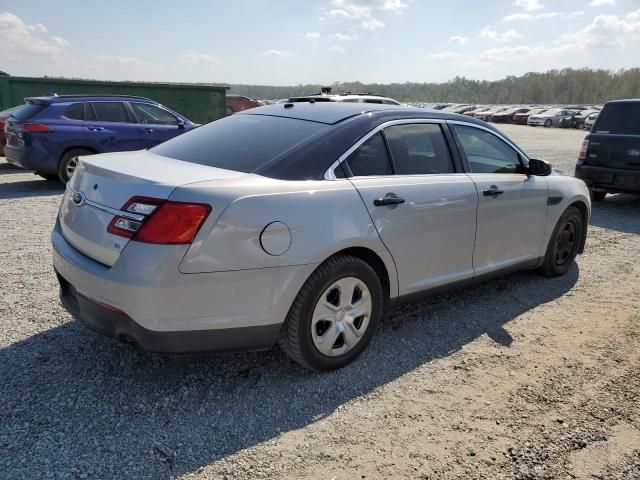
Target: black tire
pixel 66 161
pixel 597 195
pixel 548 123
pixel 296 334
pixel 564 243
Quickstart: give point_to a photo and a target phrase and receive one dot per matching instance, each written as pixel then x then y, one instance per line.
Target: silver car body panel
pixel 446 231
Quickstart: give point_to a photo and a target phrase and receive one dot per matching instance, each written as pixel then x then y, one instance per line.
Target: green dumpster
pixel 198 102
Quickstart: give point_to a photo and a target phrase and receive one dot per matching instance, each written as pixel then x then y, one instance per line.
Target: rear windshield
pixel 620 119
pixel 244 143
pixel 27 111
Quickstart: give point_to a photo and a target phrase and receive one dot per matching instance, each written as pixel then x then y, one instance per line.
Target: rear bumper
pixel 120 326
pixel 164 310
pixel 612 180
pixel 31 159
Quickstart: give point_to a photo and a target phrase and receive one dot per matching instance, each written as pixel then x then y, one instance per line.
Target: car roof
pixel 67 98
pixel 334 112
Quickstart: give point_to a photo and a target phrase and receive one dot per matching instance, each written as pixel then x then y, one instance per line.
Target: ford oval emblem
pixel 78 198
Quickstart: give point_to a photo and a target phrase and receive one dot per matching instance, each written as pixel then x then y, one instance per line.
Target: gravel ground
pixel 520 378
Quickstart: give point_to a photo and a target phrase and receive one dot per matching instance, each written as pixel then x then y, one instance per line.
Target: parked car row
pixel 565 116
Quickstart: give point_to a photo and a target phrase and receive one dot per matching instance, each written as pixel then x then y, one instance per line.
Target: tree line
pixel 555 86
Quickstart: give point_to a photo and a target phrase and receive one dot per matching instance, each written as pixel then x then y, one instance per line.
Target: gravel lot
pixel 524 377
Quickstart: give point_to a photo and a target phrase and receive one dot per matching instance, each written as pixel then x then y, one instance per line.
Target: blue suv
pixel 48 134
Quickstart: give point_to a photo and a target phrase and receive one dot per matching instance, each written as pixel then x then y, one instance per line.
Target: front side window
pixel 370 159
pixel 419 149
pixel 486 153
pixel 151 114
pixel 110 112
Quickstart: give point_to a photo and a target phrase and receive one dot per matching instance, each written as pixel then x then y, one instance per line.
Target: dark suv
pixel 48 134
pixel 609 161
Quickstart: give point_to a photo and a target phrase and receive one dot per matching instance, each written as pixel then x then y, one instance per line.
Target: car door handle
pixel 382 202
pixel 147 130
pixel 492 192
pixel 95 129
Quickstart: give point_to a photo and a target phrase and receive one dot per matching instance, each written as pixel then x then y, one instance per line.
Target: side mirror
pixel 539 168
pixel 180 124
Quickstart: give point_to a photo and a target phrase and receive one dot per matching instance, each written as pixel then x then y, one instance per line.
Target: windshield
pixel 27 111
pixel 244 143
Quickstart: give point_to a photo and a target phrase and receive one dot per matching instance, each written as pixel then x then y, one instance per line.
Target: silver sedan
pixel 301 224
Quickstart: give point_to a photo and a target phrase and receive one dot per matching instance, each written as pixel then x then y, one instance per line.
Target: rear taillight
pixel 160 222
pixel 583 150
pixel 36 128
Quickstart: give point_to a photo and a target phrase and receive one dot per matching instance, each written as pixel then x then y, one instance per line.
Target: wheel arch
pixel 375 261
pixel 73 147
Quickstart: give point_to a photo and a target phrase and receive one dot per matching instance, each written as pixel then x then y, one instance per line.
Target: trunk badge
pixel 633 153
pixel 78 198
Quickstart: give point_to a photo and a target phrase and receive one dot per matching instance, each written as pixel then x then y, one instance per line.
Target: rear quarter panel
pixel 323 218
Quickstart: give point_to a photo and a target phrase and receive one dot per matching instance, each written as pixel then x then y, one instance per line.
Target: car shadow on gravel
pixel 617 212
pixel 75 402
pixel 38 187
pixel 8 169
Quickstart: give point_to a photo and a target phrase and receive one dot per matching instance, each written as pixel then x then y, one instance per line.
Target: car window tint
pixel 371 158
pixel 27 111
pixel 486 153
pixel 372 100
pixel 110 112
pixel 151 114
pixel 620 118
pixel 75 111
pixel 239 142
pixel 418 149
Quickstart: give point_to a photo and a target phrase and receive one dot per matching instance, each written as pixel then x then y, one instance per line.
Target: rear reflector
pixel 36 128
pixel 159 221
pixel 174 223
pixel 583 150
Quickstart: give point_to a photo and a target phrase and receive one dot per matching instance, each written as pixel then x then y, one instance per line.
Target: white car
pixel 301 224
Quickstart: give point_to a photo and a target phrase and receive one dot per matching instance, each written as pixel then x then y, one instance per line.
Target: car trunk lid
pixel 102 185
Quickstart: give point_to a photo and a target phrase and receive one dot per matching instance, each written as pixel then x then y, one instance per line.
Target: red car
pixel 238 103
pixel 3 116
pixel 521 118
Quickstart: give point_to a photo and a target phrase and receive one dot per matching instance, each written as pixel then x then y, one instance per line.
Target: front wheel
pixel 69 162
pixel 548 123
pixel 335 314
pixel 564 243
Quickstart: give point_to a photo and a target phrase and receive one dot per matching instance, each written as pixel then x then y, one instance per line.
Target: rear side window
pixel 27 111
pixel 370 159
pixel 75 111
pixel 620 119
pixel 418 149
pixel 244 143
pixel 110 112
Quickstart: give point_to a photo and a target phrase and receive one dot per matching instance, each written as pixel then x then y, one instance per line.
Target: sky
pixel 290 42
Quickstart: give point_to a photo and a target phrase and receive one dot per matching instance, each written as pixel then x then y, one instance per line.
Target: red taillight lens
pixel 583 150
pixel 36 128
pixel 160 221
pixel 174 223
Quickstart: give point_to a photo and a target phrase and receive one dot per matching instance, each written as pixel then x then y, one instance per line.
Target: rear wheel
pixel 335 314
pixel 564 243
pixel 597 195
pixel 69 162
